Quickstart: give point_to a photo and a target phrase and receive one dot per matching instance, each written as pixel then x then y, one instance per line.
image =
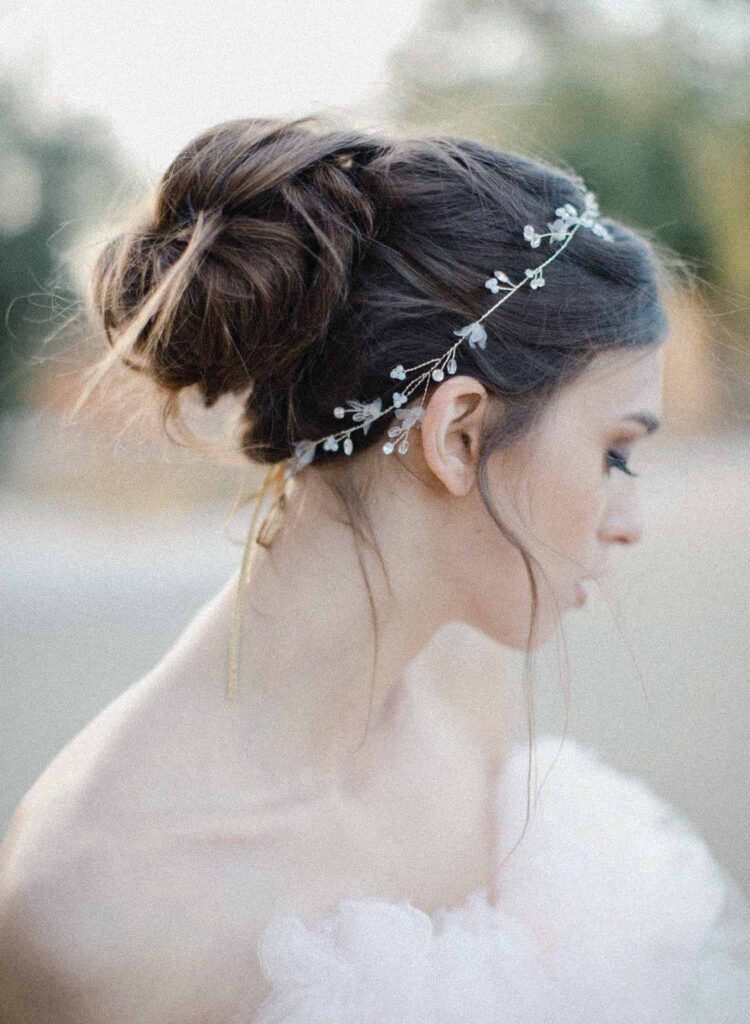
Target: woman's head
pixel 298 264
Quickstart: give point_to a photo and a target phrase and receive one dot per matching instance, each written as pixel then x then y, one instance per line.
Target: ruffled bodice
pixel 611 910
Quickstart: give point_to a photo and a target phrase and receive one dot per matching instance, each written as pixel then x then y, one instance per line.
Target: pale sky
pixel 163 71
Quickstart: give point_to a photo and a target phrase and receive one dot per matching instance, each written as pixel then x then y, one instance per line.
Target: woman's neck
pixel 308 650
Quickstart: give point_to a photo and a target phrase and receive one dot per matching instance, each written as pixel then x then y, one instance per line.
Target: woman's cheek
pixel 588 503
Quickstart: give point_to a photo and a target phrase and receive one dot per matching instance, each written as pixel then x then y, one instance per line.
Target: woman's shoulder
pixel 138 890
pixel 147 857
pixel 96 925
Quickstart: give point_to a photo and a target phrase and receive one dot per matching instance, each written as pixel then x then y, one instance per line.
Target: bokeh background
pixel 112 537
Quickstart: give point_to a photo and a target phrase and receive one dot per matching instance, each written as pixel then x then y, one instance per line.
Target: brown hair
pixel 301 262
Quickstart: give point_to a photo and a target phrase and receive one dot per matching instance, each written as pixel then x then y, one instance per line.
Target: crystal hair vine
pixel 568 221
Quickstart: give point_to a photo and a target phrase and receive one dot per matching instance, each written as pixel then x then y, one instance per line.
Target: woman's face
pixel 563 491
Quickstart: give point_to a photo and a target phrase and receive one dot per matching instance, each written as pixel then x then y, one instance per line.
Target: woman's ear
pixel 451 431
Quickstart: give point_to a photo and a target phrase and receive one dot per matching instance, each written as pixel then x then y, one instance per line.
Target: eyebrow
pixel 646 419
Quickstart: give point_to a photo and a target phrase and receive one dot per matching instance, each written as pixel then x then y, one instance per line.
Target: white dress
pixel 612 910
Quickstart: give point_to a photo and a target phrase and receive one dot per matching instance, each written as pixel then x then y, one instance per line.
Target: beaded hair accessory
pixel 365 413
pixel 567 223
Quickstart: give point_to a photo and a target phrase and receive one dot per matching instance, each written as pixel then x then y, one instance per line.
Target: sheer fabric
pixel 612 910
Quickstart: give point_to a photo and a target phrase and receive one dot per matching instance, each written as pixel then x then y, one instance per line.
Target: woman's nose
pixel 622 531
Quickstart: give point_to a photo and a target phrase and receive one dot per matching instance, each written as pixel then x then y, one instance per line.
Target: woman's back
pixel 161 839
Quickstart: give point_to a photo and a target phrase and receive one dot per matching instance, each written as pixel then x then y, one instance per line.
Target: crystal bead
pixel 348 446
pixel 338 412
pixel 452 366
pixel 437 374
pixel 388 448
pixel 403 447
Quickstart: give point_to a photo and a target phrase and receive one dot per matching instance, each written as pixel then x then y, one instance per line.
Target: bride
pixel 311 808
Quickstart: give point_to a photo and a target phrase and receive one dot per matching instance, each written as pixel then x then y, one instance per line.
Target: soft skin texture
pixel 142 866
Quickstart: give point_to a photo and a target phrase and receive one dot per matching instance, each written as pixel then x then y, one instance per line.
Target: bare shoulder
pixel 140 869
pixel 158 929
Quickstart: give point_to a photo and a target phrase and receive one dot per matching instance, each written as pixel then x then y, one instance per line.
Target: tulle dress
pixel 612 910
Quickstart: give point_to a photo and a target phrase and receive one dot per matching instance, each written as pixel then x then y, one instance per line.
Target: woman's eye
pixel 619 461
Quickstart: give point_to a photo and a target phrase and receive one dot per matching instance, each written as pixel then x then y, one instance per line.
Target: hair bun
pixel 242 261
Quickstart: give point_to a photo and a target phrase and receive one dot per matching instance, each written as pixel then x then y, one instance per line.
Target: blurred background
pixel 112 537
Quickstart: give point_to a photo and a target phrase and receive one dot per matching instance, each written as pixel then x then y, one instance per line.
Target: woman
pixel 349 838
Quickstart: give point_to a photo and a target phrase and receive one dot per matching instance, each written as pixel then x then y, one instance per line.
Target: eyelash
pixel 619 461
